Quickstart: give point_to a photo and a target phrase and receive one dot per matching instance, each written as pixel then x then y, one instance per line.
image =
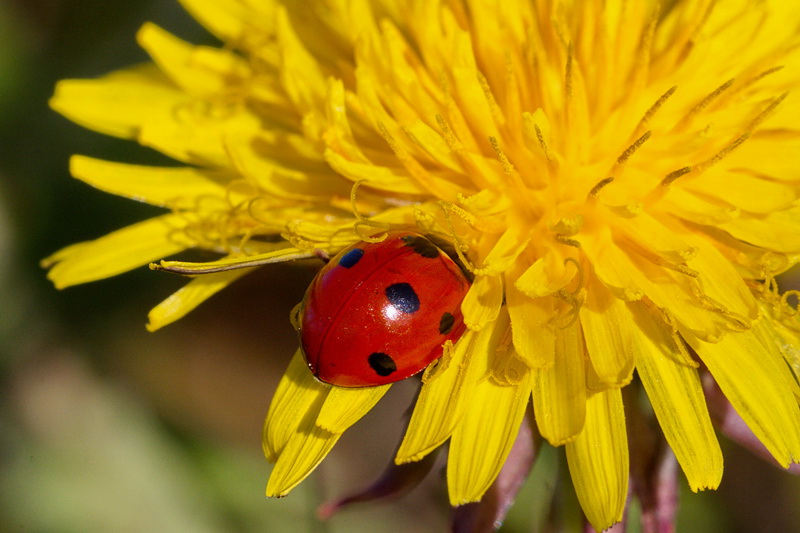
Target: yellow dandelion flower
pixel 620 177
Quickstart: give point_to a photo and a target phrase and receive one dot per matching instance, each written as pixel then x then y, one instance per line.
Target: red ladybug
pixel 380 312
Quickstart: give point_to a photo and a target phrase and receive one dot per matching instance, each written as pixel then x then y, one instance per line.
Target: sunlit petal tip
pixel 118 252
pixel 298 459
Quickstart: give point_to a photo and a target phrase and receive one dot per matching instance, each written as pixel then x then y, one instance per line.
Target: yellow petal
pixel 298 394
pixel 195 136
pixel 607 330
pixel 721 282
pixel 749 193
pixel 785 345
pixel 688 205
pixel 652 234
pixel 545 276
pixel 442 400
pixel 282 164
pixel 613 267
pixel 432 142
pixel 394 180
pixel 757 387
pixel 775 231
pixel 197 70
pixel 559 392
pixel 117 252
pixel 484 436
pixel 675 293
pixel 763 156
pixel 227 19
pixel 531 328
pixel 141 103
pixel 474 105
pixel 507 248
pixel 305 450
pixel 750 261
pixel 676 395
pixel 301 74
pixel 117 103
pixel 482 302
pixel 175 187
pixel 190 296
pixel 345 406
pixel 598 460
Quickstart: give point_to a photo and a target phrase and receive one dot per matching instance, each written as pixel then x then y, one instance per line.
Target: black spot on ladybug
pixel 421 246
pixel 382 363
pixel 446 323
pixel 403 297
pixel 352 257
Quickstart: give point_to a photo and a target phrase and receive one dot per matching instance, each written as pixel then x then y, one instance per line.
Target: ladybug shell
pixel 380 312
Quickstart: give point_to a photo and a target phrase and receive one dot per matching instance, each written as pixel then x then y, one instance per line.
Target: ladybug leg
pixel 295 316
pixel 322 255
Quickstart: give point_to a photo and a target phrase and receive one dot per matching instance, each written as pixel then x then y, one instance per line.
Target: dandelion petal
pixel 297 394
pixel 598 460
pixel 733 426
pixel 118 252
pixel 608 330
pixel 197 291
pixel 345 406
pixel 757 386
pixel 484 437
pixel 559 392
pixel 676 395
pixel 488 514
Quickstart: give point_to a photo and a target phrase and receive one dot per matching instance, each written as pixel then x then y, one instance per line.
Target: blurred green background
pixel 107 428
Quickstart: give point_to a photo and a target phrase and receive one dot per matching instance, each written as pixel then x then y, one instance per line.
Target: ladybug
pixel 380 312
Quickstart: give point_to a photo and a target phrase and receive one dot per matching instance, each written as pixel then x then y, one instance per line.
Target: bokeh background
pixel 105 427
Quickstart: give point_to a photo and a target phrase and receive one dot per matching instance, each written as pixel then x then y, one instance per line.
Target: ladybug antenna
pixel 363 222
